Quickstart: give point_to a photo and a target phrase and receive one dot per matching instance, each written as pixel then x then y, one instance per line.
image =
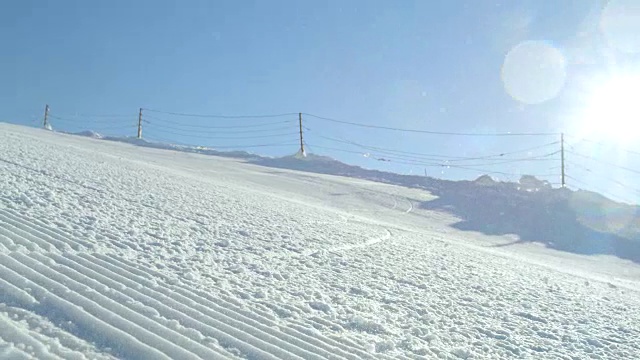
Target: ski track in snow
pixel 112 251
pixel 369 242
pixel 410 206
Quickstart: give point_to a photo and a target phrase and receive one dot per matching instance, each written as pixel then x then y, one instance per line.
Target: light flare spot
pixel 534 72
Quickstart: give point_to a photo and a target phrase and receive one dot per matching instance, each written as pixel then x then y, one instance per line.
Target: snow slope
pixel 109 250
pixel 555 217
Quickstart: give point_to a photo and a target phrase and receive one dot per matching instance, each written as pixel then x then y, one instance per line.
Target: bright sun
pixel 613 109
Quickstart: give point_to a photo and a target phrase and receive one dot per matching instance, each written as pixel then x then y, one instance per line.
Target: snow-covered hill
pixel 110 250
pixel 581 222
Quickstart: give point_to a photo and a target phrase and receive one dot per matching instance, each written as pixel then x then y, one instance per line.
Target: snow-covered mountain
pixel 116 250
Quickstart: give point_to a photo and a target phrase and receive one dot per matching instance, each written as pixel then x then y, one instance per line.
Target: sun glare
pixel 612 110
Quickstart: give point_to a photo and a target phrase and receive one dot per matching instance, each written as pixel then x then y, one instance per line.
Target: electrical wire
pixel 199 126
pixel 545 157
pixel 103 122
pixel 224 130
pixel 202 135
pixel 173 142
pixel 426 131
pixel 97 115
pixel 428 164
pixel 87 120
pixel 604 193
pixel 225 137
pixel 101 129
pixel 600 143
pixel 95 127
pixel 344 122
pixel 235 137
pixel 432 157
pixel 603 162
pixel 603 177
pixel 484 171
pixel 253 146
pixel 447 162
pixel 160 140
pixel 220 116
pixel 115 128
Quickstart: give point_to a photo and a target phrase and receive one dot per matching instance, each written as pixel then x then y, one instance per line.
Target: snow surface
pixel 109 250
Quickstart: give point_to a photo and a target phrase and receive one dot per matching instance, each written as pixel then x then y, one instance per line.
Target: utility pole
pixel 562 158
pixel 301 142
pixel 46 116
pixel 140 124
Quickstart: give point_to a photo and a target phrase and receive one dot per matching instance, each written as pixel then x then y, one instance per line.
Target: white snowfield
pixel 110 250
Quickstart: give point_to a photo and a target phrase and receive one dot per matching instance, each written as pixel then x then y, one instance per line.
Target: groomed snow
pixel 110 250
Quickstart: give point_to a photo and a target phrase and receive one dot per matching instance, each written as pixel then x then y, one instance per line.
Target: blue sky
pixel 429 65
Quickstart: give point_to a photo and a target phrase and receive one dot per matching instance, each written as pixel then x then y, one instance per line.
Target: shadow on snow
pixel 579 222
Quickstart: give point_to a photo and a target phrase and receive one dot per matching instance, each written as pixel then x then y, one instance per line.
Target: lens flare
pixel 534 72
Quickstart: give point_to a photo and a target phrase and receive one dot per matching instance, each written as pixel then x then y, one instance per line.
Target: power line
pixel 429 164
pixel 572 164
pixel 96 127
pixel 598 191
pixel 253 146
pixel 603 162
pixel 199 126
pixel 432 157
pixel 600 143
pixel 227 131
pixel 600 175
pixel 345 122
pixel 104 128
pixel 450 162
pixel 427 131
pixel 526 150
pixel 161 140
pixel 224 129
pixel 484 171
pixel 226 137
pixel 545 157
pixel 93 121
pixel 577 181
pixel 114 128
pixel 173 142
pixel 336 149
pixel 221 116
pixel 104 122
pixel 97 116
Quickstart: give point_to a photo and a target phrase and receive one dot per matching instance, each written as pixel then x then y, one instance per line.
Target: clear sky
pixel 447 66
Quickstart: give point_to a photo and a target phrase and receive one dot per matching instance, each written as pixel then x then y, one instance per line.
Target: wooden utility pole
pixel 140 124
pixel 562 158
pixel 46 116
pixel 301 141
